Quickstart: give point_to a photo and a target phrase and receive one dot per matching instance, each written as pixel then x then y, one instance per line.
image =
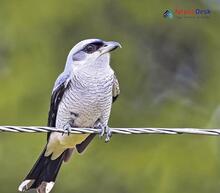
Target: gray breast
pixel 85 101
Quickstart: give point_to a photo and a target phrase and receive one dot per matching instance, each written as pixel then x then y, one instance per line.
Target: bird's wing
pixel 115 93
pixel 60 86
pixel 115 89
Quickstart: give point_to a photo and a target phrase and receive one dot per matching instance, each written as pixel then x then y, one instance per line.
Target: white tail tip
pixel 25 185
pixel 45 187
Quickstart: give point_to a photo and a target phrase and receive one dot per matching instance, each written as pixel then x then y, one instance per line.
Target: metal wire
pixel 127 131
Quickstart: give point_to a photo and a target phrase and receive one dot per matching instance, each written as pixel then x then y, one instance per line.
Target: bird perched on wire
pixel 82 97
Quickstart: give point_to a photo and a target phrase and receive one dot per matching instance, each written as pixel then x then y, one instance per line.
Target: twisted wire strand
pixel 126 131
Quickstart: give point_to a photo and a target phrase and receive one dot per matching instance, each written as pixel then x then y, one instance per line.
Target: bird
pixel 82 96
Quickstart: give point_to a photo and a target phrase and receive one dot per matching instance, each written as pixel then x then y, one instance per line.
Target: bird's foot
pixel 108 134
pixel 67 129
pixel 104 130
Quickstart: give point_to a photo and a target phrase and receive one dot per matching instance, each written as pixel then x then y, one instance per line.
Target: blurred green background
pixel 169 74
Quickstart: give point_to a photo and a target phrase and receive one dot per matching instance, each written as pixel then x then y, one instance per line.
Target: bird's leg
pixel 103 130
pixel 67 128
pixel 108 134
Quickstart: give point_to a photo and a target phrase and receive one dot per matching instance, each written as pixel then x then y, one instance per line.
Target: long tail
pixel 43 174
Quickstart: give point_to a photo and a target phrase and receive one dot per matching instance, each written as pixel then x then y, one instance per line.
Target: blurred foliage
pixel 169 77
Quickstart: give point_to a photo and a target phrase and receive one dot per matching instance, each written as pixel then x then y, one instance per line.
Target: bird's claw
pixel 108 134
pixel 104 130
pixel 67 129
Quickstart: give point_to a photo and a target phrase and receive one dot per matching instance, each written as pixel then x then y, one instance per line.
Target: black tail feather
pixel 45 170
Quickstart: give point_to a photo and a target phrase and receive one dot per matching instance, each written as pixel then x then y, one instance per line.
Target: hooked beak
pixel 109 46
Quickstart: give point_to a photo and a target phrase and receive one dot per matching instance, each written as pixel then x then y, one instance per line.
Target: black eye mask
pixel 91 48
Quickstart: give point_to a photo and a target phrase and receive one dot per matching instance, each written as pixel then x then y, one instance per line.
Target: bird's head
pixel 89 53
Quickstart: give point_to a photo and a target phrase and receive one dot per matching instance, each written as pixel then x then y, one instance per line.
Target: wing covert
pixel 115 89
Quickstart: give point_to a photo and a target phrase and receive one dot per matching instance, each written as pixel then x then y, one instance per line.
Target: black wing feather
pixel 54 104
pixel 114 98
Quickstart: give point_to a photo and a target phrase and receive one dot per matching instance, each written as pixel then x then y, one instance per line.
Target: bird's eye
pixel 90 48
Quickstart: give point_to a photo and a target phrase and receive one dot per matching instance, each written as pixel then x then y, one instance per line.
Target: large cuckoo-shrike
pixel 82 97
